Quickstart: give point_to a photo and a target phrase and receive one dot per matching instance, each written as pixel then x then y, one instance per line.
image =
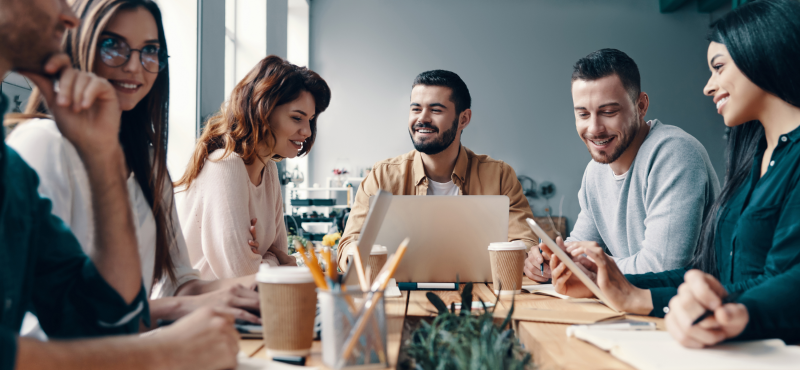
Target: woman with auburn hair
pixel 746 268
pixel 123 41
pixel 232 180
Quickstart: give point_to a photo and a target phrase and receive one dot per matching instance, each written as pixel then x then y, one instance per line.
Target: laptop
pixel 449 236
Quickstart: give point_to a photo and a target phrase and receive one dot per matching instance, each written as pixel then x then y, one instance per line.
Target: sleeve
pixel 771 298
pixel 773 309
pixel 585 228
pixel 358 215
pixel 281 242
pixel 678 188
pixel 225 218
pixel 518 209
pixel 70 296
pixel 184 272
pixel 46 152
pixel 662 285
pixel 8 349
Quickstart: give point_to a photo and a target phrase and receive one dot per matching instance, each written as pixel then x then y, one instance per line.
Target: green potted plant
pixel 465 340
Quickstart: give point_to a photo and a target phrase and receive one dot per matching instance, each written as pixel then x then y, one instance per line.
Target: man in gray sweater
pixel 649 185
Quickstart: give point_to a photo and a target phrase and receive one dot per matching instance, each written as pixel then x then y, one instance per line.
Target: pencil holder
pixel 339 312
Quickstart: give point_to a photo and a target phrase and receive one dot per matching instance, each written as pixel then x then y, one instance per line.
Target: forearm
pixel 197 287
pixel 116 251
pixel 121 353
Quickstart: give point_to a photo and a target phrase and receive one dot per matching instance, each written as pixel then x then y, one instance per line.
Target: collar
pixel 793 135
pixel 3 107
pixel 460 170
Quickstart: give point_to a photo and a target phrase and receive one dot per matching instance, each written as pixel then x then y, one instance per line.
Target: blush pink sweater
pixel 215 213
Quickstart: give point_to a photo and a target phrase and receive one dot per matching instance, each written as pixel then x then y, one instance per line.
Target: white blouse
pixel 216 211
pixel 64 180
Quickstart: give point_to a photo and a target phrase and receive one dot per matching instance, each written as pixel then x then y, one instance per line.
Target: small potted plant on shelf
pixel 465 340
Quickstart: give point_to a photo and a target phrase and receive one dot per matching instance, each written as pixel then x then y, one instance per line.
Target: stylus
pixel 541 265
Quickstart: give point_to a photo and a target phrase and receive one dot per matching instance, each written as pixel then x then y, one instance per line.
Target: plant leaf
pixel 453 308
pixel 437 302
pixel 466 300
pixel 507 321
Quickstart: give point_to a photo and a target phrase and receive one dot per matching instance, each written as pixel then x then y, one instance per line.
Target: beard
pixel 434 145
pixel 26 39
pixel 624 141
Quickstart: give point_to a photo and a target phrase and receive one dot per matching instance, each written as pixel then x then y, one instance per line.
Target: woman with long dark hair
pixel 123 41
pixel 231 182
pixel 749 249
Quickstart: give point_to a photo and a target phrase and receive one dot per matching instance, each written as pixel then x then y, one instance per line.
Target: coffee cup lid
pixel 376 249
pixel 284 274
pixel 516 245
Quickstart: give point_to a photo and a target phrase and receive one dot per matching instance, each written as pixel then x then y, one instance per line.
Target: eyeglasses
pixel 115 53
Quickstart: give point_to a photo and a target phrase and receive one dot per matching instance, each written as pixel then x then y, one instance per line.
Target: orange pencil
pixel 319 278
pixel 378 287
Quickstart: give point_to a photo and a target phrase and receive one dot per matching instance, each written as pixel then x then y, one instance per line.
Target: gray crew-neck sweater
pixel 649 219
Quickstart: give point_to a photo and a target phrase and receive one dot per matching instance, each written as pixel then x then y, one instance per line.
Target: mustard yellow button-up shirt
pixel 474 174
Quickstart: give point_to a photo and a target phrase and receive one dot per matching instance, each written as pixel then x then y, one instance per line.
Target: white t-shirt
pixel 63 179
pixel 442 188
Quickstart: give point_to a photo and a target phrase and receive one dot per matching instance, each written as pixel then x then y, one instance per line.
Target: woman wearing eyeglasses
pixel 123 41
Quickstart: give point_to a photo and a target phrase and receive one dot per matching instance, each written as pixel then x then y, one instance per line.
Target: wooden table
pixel 548 343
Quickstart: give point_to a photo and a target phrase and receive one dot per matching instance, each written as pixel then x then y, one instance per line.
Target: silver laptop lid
pixel 449 236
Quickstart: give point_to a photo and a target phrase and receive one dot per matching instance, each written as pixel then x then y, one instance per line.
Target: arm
pixel 358 214
pixel 678 189
pixel 280 246
pixel 518 210
pixel 224 220
pixel 205 340
pixel 88 115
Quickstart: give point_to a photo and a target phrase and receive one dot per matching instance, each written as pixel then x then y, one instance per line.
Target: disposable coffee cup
pixel 288 307
pixel 508 261
pixel 377 258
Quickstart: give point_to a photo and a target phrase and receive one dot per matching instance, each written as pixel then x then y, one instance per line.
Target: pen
pixel 541 265
pixel 729 299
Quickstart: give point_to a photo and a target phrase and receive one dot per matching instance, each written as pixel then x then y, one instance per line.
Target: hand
pixel 205 339
pixel 237 301
pixel 564 281
pixel 252 242
pixel 618 290
pixel 701 292
pixel 85 107
pixel 284 258
pixel 533 265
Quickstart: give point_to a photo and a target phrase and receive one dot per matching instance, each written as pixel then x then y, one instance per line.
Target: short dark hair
pixel 607 62
pixel 438 77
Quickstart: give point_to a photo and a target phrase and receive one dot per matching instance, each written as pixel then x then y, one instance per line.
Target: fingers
pixel 253 246
pixel 66 83
pixel 692 337
pixel 705 288
pixel 82 80
pixel 57 63
pixel 98 89
pixel 241 314
pixel 45 81
pixel 535 256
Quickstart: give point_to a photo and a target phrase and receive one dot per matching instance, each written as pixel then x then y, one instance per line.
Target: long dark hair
pixel 143 129
pixel 763 39
pixel 242 122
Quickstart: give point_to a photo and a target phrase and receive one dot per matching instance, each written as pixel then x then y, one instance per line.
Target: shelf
pixel 336 206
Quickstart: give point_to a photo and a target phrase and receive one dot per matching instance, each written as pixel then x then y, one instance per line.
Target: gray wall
pixel 516 57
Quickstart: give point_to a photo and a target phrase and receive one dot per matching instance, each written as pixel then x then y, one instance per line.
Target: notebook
pixel 545 289
pixel 656 350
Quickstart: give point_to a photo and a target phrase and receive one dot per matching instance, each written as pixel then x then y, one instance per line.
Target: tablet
pixel 567 260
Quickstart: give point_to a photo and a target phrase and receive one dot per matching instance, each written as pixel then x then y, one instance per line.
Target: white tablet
pixel 567 260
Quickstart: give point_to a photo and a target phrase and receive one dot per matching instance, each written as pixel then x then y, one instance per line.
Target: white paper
pixel 656 350
pixel 251 363
pixel 547 289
